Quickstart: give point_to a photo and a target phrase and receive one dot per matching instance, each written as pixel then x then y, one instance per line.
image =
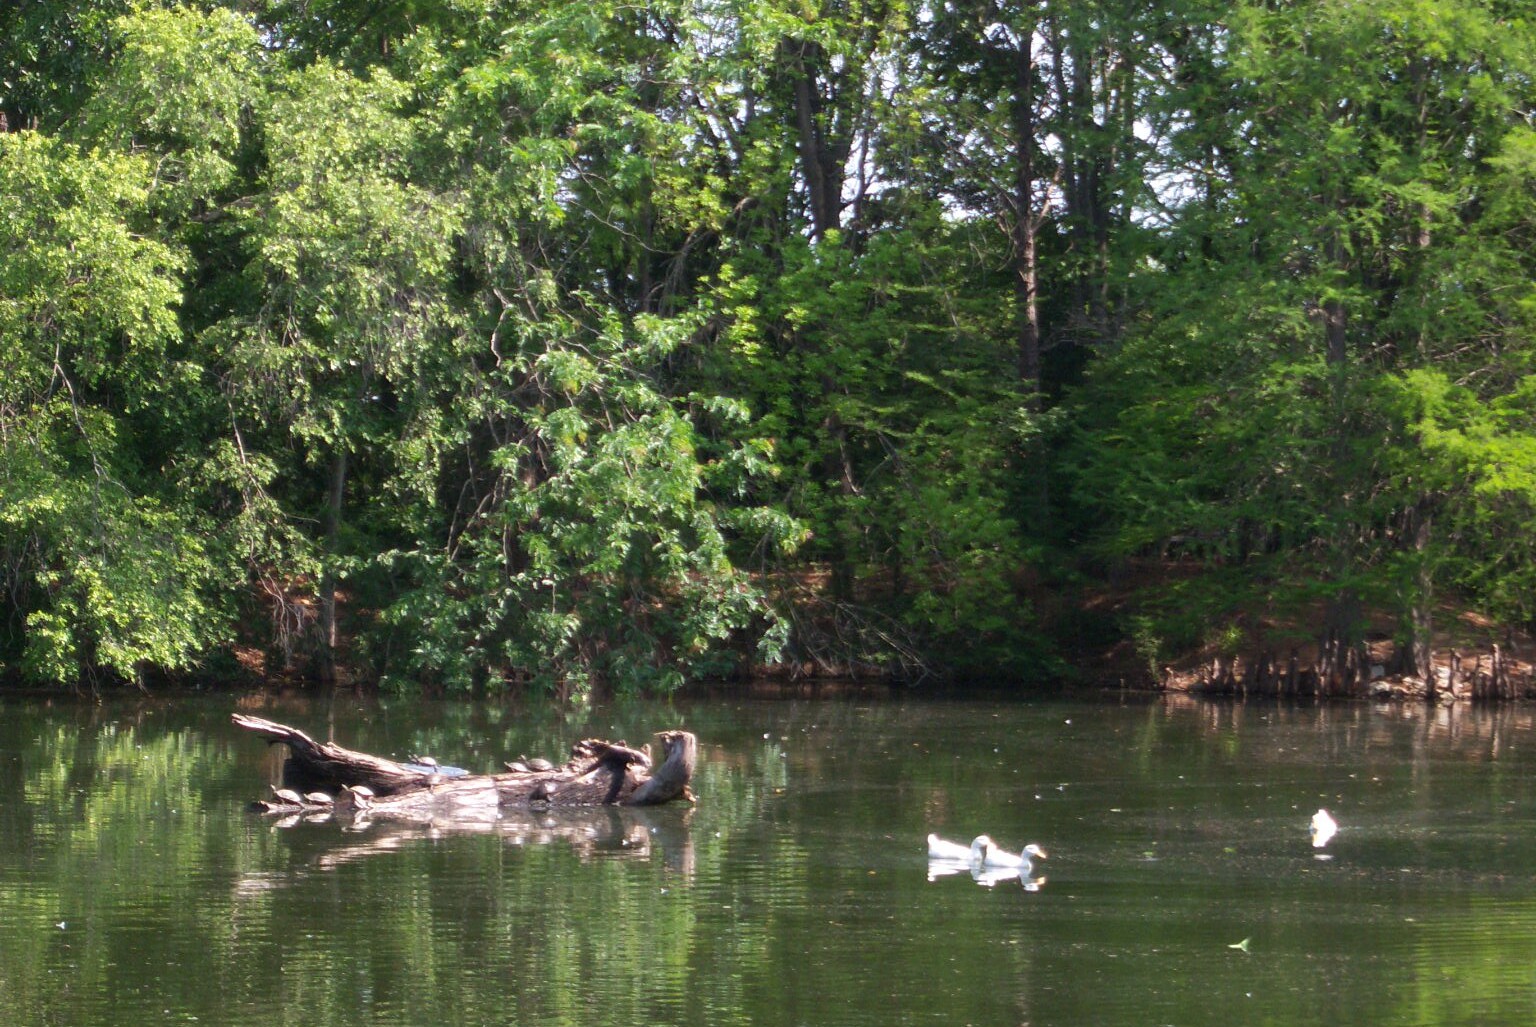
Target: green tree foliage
pixel 104 565
pixel 49 56
pixel 1320 388
pixel 591 556
pixel 602 345
pixel 596 528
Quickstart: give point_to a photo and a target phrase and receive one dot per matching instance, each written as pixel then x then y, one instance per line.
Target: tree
pixel 592 512
pixel 1265 416
pixel 350 258
pixel 49 55
pixel 106 566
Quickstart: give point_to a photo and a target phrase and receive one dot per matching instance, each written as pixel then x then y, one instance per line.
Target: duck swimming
pixel 1324 827
pixel 954 852
pixel 992 856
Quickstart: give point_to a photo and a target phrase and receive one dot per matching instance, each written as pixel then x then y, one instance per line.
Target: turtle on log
pixel 286 800
pixel 598 773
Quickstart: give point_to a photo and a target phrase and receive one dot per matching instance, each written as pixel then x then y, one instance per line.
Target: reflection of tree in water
pixel 545 915
pixel 1355 730
pixel 795 890
pixel 123 845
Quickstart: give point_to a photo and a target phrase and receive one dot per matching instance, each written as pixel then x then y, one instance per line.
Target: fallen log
pixel 324 777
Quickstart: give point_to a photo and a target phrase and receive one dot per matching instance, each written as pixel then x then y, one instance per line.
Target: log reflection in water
pixel 592 832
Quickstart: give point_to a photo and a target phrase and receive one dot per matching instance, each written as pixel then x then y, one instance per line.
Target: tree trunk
pixel 325 663
pixel 1421 612
pixel 1335 331
pixel 1026 270
pixel 1025 226
pixel 820 160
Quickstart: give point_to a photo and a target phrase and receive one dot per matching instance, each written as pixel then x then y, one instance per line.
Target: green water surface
pixel 1182 888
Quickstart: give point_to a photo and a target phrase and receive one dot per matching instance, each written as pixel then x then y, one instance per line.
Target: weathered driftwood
pixel 324 777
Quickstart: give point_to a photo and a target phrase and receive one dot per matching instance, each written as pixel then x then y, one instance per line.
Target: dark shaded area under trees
pixel 601 347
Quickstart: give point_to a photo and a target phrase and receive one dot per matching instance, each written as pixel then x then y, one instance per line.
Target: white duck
pixel 954 852
pixel 1323 828
pixel 992 856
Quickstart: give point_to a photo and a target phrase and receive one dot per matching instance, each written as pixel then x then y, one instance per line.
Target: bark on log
pixel 598 773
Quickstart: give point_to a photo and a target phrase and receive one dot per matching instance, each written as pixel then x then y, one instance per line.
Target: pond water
pixel 1182 885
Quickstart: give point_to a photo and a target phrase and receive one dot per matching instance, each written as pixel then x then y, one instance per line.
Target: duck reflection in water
pixel 987 877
